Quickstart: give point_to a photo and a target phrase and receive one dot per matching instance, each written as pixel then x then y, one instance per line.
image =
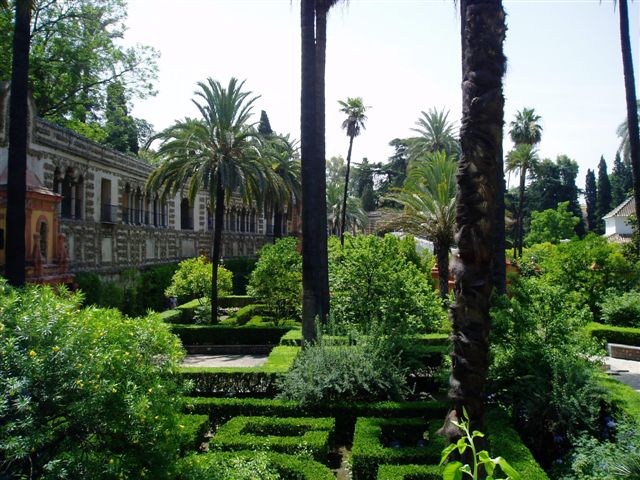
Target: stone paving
pixel 224 361
pixel 626 371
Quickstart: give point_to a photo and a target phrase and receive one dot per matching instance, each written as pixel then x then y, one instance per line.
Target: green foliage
pixel 84 393
pixel 455 470
pixel 610 334
pixel 192 431
pixel 621 310
pixel 378 441
pixel 276 280
pixel 590 198
pixel 246 313
pixel 538 346
pixel 284 435
pixel 376 281
pixel 193 277
pixel 228 335
pixel 409 472
pixel 241 268
pixel 604 199
pixel 120 127
pixel 551 225
pixel 251 466
pixel 323 372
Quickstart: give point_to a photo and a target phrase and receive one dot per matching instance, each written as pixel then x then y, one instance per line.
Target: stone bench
pixel 624 352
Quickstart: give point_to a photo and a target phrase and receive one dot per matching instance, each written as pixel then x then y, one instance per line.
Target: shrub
pixel 236 301
pixel 192 280
pixel 622 310
pixel 609 334
pixel 552 225
pixel 251 466
pixel 192 430
pixel 284 435
pixel 241 268
pixel 247 312
pixel 366 370
pixel 228 335
pixel 393 441
pixel 409 472
pixel 84 393
pixel 372 281
pixel 276 280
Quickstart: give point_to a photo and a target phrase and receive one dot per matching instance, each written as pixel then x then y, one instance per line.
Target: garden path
pixel 626 371
pixel 224 361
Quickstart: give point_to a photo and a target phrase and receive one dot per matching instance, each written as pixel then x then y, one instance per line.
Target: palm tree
pixel 17 161
pixel 483 65
pixel 623 134
pixel 526 127
pixel 522 159
pixel 216 153
pixel 355 216
pixel 429 200
pixel 436 133
pixel 632 102
pixel 355 110
pixel 280 154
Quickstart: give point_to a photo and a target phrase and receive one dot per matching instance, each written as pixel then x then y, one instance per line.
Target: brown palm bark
pixel 483 64
pixel 632 110
pixel 17 162
pixel 343 213
pixel 218 225
pixel 442 259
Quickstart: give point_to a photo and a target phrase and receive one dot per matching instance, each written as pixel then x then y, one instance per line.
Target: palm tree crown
pixel 355 110
pixel 436 133
pixel 526 127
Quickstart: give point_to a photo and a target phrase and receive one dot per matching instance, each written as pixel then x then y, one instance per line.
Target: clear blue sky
pixel 401 56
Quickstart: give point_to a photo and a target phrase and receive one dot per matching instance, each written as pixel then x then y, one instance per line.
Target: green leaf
pixel 452 471
pixel 461 445
pixel 446 452
pixel 476 433
pixel 506 468
pixel 466 469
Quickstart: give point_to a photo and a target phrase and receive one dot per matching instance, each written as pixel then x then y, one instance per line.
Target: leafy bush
pixel 409 472
pixel 622 310
pixel 366 370
pixel 373 280
pixel 193 277
pixel 552 225
pixel 276 280
pixel 241 268
pixel 84 393
pixel 540 366
pixel 609 334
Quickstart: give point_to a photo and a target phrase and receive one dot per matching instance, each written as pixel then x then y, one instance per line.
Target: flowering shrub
pixel 84 394
pixel 193 280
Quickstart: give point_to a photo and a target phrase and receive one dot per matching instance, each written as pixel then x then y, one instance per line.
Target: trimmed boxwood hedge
pixel 228 335
pixel 289 467
pixel 235 301
pixel 611 334
pixel 209 381
pixel 284 435
pixel 171 316
pixel 369 452
pixel 247 312
pixel 224 408
pixel 294 337
pixel 504 441
pixel 192 431
pixel 412 472
pixel 622 397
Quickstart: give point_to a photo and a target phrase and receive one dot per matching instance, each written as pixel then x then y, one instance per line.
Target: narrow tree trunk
pixel 343 213
pixel 17 164
pixel 442 257
pixel 313 195
pixel 499 256
pixel 481 140
pixel 520 234
pixel 215 256
pixel 632 106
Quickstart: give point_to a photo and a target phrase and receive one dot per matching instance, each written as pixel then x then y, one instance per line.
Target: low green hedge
pixel 171 316
pixel 369 450
pixel 622 397
pixel 247 312
pixel 228 335
pixel 504 441
pixel 199 466
pixel 192 431
pixel 235 301
pixel 611 334
pixel 225 408
pixel 188 310
pixel 409 472
pixel 294 337
pixel 245 381
pixel 284 435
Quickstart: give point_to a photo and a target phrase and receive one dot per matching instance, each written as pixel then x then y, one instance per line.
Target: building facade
pixel 100 217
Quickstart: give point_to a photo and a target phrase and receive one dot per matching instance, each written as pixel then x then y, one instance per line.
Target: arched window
pixel 67 191
pixel 186 215
pixel 243 216
pixel 126 204
pixel 232 221
pixel 252 225
pixel 155 212
pixel 79 199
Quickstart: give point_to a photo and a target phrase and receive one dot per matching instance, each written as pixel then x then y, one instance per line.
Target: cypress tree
pixel 264 128
pixel 122 132
pixel 603 199
pixel 590 196
pixel 621 181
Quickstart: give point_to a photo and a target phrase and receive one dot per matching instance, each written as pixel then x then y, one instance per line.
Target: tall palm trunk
pixel 442 258
pixel 17 164
pixel 632 110
pixel 321 10
pixel 218 224
pixel 313 195
pixel 520 231
pixel 343 213
pixel 481 139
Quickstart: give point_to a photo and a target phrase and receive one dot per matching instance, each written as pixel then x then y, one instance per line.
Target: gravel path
pixel 224 361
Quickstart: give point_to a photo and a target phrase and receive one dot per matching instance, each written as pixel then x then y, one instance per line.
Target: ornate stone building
pixel 101 215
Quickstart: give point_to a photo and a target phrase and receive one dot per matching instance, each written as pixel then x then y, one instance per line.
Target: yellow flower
pixel 32 353
pixel 113 390
pixel 56 348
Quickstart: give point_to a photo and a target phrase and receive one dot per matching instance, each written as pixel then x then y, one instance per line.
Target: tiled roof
pixel 626 208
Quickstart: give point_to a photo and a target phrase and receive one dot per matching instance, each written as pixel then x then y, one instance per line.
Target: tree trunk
pixel 520 232
pixel 632 106
pixel 320 62
pixel 499 256
pixel 218 223
pixel 442 257
pixel 343 213
pixel 313 194
pixel 481 140
pixel 17 162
